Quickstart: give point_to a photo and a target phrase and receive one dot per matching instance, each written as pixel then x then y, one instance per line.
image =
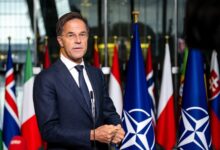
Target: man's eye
pixel 83 35
pixel 70 35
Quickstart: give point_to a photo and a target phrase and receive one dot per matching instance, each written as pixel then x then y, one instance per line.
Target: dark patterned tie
pixel 82 85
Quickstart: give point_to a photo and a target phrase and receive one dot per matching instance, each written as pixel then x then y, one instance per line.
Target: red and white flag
pixel 96 61
pixel 214 100
pixel 29 126
pixel 166 128
pixel 115 91
pixel 46 57
pixel 150 82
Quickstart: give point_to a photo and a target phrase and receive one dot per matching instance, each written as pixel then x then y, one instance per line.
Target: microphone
pixel 93 105
pixel 93 115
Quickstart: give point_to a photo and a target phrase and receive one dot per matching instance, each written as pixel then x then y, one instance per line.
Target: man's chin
pixel 77 59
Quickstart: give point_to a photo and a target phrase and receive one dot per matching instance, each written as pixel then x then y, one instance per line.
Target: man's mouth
pixel 77 48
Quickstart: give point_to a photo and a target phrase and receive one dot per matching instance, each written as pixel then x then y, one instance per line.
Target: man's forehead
pixel 75 24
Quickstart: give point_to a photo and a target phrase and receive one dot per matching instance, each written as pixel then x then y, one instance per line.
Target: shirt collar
pixel 68 63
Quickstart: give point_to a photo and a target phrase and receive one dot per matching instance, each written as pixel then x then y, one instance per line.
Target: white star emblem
pixel 137 131
pixel 194 129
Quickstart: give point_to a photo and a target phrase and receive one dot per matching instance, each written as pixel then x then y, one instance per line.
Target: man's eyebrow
pixel 75 33
pixel 83 32
pixel 70 32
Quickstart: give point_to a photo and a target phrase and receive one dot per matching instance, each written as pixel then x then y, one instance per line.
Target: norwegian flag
pixel 214 99
pixel 11 125
pixel 150 81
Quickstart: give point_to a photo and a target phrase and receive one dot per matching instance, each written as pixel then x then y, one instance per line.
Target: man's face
pixel 73 40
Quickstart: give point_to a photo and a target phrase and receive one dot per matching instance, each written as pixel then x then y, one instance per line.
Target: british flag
pixel 214 99
pixel 10 117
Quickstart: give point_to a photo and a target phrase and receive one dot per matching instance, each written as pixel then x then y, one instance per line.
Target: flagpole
pixel 96 39
pixel 28 39
pixel 46 40
pixel 175 67
pixel 115 39
pixel 135 16
pixel 106 32
pixel 149 39
pixel 9 40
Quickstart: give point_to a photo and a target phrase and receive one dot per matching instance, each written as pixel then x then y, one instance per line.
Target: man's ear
pixel 60 41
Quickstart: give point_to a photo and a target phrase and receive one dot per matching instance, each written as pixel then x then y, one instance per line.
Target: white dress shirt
pixel 71 67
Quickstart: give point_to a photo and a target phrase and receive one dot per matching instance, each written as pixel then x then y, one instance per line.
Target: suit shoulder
pixel 94 69
pixel 49 71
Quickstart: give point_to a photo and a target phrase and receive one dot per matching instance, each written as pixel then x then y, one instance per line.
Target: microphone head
pixel 17 143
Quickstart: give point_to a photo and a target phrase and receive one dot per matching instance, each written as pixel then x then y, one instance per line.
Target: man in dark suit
pixel 72 105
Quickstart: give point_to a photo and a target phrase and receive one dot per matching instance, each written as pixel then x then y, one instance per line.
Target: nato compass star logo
pixel 139 130
pixel 195 129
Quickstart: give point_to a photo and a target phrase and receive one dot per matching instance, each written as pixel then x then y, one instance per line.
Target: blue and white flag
pixel 137 119
pixel 194 124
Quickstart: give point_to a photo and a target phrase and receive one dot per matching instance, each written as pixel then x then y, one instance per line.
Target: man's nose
pixel 78 39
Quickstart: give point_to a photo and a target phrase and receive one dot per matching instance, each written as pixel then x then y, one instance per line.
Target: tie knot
pixel 79 68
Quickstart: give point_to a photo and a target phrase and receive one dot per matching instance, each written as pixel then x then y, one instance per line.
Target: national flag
pixel 115 91
pixel 1 144
pixel 46 57
pixel 182 73
pixel 182 77
pixel 96 61
pixel 166 127
pixel 194 127
pixel 11 124
pixel 150 81
pixel 214 100
pixel 137 119
pixel 29 127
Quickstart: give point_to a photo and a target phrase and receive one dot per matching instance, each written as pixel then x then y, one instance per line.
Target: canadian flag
pixel 115 91
pixel 165 127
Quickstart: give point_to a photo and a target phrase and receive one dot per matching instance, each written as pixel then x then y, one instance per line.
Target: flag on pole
pixel 166 125
pixel 182 78
pixel 194 127
pixel 150 80
pixel 115 91
pixel 46 55
pixel 137 119
pixel 214 99
pixel 11 125
pixel 1 143
pixel 182 73
pixel 29 127
pixel 96 61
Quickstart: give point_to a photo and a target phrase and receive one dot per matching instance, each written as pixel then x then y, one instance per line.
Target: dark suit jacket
pixel 63 116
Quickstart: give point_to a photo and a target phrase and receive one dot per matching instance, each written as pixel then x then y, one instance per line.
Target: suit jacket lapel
pixel 70 84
